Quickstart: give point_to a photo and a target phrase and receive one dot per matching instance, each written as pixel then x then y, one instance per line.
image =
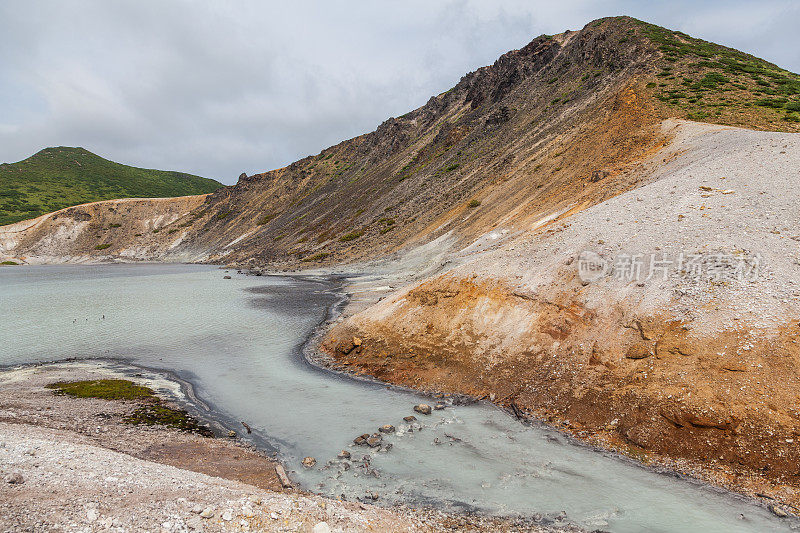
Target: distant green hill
pixel 61 177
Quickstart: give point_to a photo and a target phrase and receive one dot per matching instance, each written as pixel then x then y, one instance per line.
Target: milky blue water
pixel 238 341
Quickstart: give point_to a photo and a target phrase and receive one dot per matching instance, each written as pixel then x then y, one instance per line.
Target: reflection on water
pixel 239 342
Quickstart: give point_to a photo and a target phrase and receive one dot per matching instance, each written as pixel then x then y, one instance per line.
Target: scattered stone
pixel 638 351
pixel 439 406
pixel 373 441
pixel 386 428
pixel 194 523
pixel 197 509
pixel 422 408
pixel 226 277
pixel 778 511
pixel 285 482
pixel 208 512
pixel 232 434
pixel 308 462
pixel 227 515
pixel 344 454
pixel 356 342
pixel 92 514
pixel 361 439
pixel 409 418
pixel 322 527
pixel 15 479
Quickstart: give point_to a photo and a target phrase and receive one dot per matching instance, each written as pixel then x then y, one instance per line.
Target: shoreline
pixel 311 347
pixel 703 475
pixel 35 423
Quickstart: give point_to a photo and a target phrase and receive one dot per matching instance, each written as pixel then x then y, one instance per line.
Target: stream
pixel 239 342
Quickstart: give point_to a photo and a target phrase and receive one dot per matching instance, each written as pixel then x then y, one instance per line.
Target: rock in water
pixel 386 428
pixel 344 454
pixel 410 419
pixel 423 408
pixel 308 462
pixel 439 406
pixel 226 277
pixel 361 439
pixel 373 441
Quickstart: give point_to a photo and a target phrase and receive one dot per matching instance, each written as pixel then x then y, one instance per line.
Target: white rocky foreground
pixel 54 480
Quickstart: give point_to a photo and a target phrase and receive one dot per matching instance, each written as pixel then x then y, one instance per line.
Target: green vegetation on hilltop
pixel 55 178
pixel 713 83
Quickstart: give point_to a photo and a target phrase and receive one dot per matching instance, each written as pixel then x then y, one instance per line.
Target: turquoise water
pixel 238 341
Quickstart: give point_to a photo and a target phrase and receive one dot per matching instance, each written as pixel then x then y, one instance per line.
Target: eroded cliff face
pixel 128 229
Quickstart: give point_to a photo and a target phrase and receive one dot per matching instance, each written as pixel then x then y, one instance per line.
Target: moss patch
pixel 151 413
pixel 106 389
pixel 159 415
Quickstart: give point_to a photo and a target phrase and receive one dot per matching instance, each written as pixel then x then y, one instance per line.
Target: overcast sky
pixel 224 87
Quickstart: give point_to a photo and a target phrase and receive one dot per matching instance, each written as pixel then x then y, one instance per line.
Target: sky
pixel 217 88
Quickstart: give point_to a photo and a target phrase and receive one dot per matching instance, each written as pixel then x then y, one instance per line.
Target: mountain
pixel 60 177
pixel 529 135
pixel 598 230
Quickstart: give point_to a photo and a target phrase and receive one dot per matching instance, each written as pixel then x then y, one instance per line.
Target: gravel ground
pixel 720 190
pixel 69 464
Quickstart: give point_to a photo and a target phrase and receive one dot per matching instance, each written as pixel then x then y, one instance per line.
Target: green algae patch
pixel 106 389
pixel 151 413
pixel 160 415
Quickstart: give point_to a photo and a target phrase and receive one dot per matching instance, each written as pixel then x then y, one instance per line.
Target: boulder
pixel 439 406
pixel 361 439
pixel 423 408
pixel 409 419
pixel 638 351
pixel 309 462
pixel 285 481
pixel 15 479
pixel 344 454
pixel 386 428
pixel 374 440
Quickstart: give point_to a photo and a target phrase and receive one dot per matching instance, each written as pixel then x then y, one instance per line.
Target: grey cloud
pixel 217 88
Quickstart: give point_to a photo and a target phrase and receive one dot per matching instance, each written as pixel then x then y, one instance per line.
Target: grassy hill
pixel 60 177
